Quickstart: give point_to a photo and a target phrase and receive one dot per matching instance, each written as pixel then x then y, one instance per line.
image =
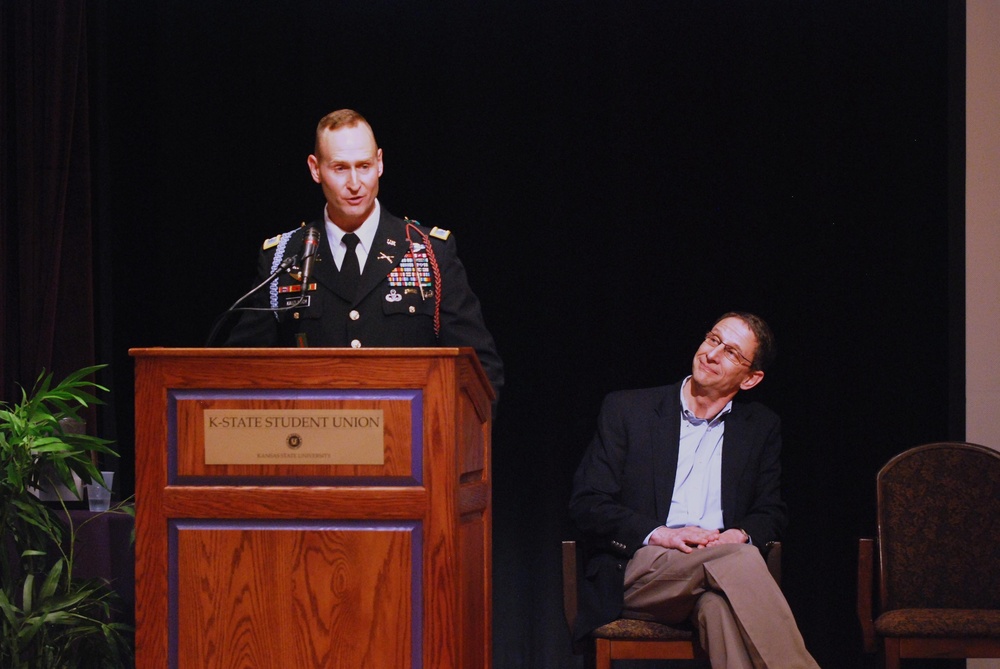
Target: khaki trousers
pixel 742 618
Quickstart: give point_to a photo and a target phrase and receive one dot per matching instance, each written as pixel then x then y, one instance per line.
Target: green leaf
pixel 27 592
pixel 54 446
pixel 10 611
pixel 52 579
pixel 58 617
pixel 29 628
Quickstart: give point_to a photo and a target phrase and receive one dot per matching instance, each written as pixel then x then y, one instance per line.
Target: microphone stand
pixel 283 267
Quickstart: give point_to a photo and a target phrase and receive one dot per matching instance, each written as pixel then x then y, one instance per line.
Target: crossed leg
pixel 747 608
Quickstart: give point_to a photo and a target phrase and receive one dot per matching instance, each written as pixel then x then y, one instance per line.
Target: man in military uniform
pixel 376 280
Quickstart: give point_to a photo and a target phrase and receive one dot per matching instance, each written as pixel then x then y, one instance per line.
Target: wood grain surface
pixel 252 567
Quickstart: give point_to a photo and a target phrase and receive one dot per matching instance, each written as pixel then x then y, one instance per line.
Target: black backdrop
pixel 616 174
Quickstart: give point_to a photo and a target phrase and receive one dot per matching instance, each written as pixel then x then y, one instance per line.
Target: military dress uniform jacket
pixel 393 307
pixel 623 488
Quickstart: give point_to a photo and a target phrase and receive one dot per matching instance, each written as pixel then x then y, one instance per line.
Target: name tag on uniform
pixel 298 301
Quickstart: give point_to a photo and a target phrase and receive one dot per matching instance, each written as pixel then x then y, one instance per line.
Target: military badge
pixel 414 269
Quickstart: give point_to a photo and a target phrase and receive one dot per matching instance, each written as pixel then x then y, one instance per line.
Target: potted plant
pixel 48 618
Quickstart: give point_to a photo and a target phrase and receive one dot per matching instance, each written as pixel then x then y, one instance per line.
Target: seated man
pixel 676 492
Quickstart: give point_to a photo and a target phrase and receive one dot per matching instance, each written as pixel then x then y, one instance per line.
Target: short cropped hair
pixel 766 349
pixel 342 118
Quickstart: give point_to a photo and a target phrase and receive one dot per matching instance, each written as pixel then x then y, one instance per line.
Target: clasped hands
pixel 686 539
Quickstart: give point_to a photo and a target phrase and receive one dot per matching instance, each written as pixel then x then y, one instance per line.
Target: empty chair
pixel 934 589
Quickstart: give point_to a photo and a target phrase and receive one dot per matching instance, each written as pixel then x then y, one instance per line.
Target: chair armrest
pixel 866 590
pixel 569 563
pixel 772 555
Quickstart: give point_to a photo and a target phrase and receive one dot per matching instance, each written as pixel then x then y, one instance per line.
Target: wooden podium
pixel 266 539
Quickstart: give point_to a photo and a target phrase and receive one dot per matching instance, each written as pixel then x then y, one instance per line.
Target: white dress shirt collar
pixel 366 233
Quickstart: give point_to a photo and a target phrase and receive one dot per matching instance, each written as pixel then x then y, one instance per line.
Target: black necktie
pixel 350 270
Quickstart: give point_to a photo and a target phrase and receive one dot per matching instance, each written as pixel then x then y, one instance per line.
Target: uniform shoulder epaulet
pixel 271 242
pixel 439 233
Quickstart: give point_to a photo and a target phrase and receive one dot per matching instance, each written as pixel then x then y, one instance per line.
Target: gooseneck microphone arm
pixel 282 267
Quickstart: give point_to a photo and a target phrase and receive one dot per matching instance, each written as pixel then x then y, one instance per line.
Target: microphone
pixel 309 248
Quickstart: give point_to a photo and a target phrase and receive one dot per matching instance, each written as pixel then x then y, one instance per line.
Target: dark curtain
pixel 46 230
pixel 787 158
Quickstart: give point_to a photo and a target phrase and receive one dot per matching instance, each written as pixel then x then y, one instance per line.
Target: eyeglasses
pixel 730 351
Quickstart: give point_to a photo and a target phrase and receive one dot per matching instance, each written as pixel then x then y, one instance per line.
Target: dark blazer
pixel 382 313
pixel 623 486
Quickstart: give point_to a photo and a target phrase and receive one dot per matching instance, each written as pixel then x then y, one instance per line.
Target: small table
pixel 105 551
